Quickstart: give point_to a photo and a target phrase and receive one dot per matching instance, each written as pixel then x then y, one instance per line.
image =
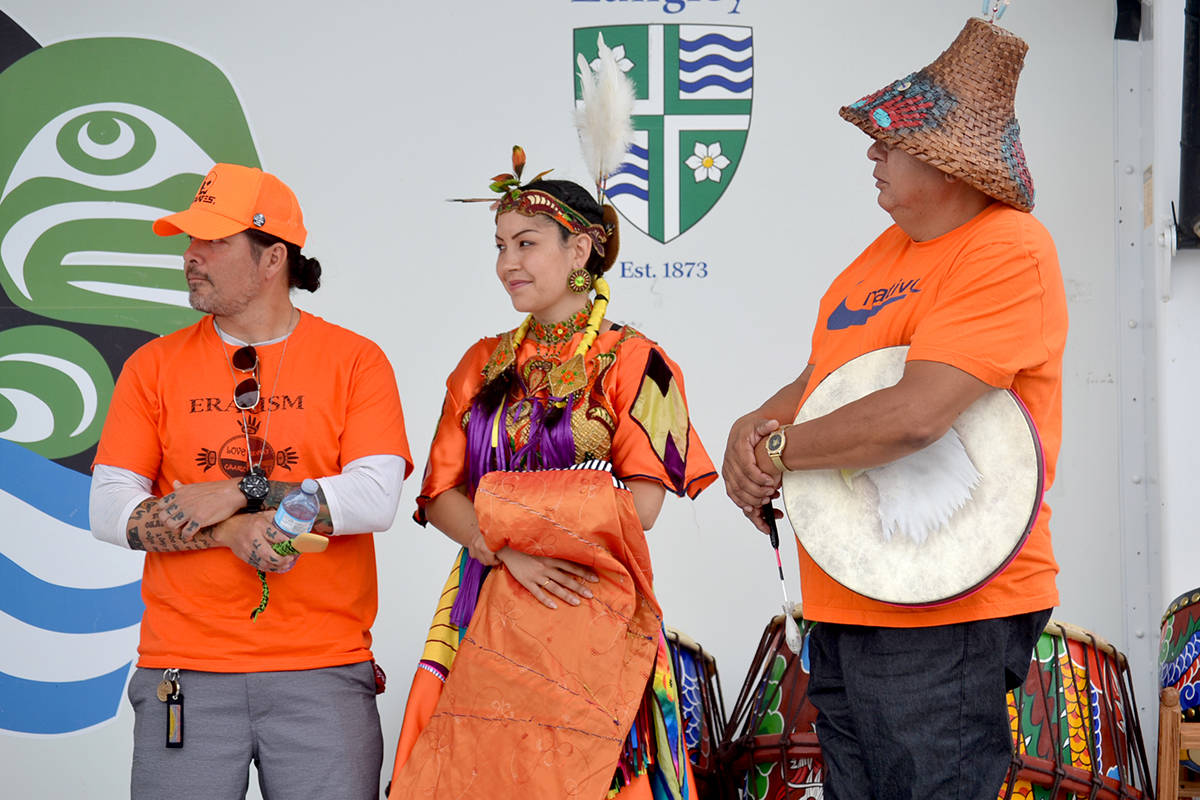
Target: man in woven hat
pixel 209 428
pixel 912 699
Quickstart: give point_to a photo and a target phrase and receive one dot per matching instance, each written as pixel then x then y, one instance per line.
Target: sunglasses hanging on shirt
pixel 246 393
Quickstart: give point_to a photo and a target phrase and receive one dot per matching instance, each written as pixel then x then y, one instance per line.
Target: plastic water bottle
pixel 298 510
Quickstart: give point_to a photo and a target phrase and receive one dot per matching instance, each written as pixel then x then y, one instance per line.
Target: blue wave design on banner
pixel 632 169
pixel 42 707
pixel 717 60
pixel 27 705
pixel 65 609
pixel 692 46
pixel 49 487
pixel 640 152
pixel 627 188
pixel 716 80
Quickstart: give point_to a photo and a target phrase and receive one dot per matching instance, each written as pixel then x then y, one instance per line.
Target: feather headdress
pixel 605 129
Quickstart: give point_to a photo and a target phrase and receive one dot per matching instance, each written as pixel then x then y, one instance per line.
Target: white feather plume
pixel 605 128
pixel 918 494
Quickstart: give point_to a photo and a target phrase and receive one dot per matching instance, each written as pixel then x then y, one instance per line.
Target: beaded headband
pixel 534 201
pixel 531 202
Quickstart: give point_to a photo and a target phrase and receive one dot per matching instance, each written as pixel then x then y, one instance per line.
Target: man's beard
pixel 219 306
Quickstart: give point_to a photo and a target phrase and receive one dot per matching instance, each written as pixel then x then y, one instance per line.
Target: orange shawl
pixel 539 700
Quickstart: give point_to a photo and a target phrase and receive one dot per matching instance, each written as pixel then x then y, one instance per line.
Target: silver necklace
pixel 256 467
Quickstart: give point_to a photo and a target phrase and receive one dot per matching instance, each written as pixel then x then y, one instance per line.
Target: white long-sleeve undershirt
pixel 363 498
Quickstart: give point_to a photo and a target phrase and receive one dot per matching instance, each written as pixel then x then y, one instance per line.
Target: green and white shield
pixel 694 90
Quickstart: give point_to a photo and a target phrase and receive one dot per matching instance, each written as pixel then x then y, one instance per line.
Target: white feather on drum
pixel 933 526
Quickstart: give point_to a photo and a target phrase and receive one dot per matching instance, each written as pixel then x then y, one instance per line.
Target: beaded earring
pixel 579 280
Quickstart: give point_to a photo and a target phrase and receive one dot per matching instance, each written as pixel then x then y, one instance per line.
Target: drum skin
pixel 839 527
pixel 1179 658
pixel 1074 724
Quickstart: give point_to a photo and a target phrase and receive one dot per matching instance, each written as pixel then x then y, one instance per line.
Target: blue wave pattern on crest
pixel 632 178
pixel 719 61
pixel 691 46
pixel 736 87
pixel 628 189
pixel 723 67
pixel 56 707
pixel 632 169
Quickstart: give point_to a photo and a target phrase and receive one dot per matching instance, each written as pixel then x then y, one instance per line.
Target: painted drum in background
pixel 771 750
pixel 1074 724
pixel 1179 658
pixel 1074 721
pixel 703 708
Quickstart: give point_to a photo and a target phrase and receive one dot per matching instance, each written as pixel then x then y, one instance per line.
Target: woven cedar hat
pixel 957 113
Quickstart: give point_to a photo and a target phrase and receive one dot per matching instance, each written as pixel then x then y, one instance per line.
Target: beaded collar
pixel 559 332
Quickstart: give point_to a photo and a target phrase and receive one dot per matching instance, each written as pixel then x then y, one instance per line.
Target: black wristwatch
pixel 255 486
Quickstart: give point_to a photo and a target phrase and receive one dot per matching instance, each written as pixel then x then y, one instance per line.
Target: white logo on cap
pixel 259 220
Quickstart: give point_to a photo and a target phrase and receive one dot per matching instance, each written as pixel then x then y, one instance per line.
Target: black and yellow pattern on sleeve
pixel 662 413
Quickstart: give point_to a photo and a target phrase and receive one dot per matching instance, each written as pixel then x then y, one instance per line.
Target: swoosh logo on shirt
pixel 841 317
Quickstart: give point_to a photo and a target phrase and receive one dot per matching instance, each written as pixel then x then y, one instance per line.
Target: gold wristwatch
pixel 775 444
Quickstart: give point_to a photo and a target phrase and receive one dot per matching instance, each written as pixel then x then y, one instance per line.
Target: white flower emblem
pixel 619 56
pixel 706 162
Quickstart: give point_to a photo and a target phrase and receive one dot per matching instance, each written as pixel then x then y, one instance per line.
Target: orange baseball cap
pixel 234 198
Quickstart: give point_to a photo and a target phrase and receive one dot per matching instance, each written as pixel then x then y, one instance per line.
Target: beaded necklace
pixel 559 332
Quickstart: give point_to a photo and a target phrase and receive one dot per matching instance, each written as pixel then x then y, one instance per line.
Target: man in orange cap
pixel 209 428
pixel 912 700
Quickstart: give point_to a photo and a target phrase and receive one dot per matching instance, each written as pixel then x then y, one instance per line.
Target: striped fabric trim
pixel 433 669
pixel 601 466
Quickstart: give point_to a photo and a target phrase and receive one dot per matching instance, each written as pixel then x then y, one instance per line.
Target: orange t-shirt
pixel 635 414
pixel 988 299
pixel 333 399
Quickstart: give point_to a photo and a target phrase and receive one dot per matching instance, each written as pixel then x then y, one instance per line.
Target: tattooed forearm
pixel 144 531
pixel 324 520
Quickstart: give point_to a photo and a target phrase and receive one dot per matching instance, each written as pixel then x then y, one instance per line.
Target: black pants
pixel 918 713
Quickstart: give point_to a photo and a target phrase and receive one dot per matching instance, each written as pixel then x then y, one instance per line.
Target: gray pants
pixel 310 733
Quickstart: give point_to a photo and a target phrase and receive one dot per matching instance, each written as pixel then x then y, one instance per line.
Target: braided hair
pixel 303 272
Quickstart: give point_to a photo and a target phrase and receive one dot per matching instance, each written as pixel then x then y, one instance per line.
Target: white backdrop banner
pixel 743 196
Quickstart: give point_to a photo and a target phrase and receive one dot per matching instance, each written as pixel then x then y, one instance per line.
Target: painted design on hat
pixel 912 103
pixel 1014 156
pixel 204 193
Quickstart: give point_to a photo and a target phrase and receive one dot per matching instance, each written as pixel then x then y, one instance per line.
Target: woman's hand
pixel 479 551
pixel 544 577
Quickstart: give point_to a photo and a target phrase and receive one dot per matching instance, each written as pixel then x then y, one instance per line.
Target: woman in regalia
pixel 546 674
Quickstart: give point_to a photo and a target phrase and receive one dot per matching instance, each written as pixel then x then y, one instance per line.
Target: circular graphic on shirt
pixel 235 461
